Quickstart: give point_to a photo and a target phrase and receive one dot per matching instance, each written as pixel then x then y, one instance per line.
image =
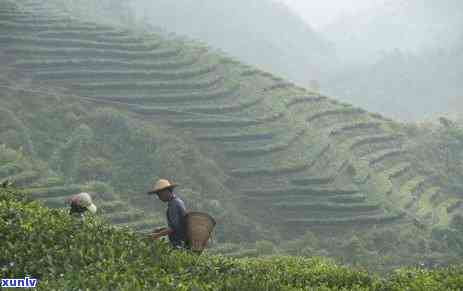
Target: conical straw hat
pixel 162 184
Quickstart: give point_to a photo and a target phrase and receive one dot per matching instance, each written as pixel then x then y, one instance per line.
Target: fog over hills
pixel 411 26
pixel 320 14
pixel 261 33
pixel 404 85
pixel 401 57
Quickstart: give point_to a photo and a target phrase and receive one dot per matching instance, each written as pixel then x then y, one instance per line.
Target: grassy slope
pixel 64 254
pixel 124 106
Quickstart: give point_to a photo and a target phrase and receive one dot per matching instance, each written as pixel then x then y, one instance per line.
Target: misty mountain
pixel 261 33
pixel 400 58
pixel 409 25
pixel 404 85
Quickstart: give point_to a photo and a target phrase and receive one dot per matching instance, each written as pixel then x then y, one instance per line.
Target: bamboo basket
pixel 199 227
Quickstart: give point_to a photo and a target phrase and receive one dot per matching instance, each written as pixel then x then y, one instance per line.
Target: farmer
pixel 175 214
pixel 81 203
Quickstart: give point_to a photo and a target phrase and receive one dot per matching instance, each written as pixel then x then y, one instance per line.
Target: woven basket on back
pixel 199 227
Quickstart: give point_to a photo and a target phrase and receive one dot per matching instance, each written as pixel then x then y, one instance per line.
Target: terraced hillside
pixel 53 190
pixel 294 159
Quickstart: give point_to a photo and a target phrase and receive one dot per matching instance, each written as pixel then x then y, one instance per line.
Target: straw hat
pixel 162 184
pixel 83 199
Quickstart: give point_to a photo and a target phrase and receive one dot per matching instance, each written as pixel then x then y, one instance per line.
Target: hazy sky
pixel 319 13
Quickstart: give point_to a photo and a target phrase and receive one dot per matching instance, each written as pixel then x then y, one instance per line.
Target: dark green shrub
pixel 65 254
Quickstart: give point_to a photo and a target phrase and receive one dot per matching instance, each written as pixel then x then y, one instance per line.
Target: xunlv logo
pixel 19 283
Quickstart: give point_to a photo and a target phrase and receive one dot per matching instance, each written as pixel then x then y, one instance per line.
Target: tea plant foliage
pixel 66 254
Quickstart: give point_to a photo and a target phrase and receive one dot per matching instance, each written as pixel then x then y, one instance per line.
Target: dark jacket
pixel 176 212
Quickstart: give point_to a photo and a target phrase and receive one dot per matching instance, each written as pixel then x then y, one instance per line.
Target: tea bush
pixel 66 254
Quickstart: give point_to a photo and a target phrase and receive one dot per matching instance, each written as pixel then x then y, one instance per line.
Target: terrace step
pixel 109 36
pixel 278 85
pixel 148 110
pixel 105 76
pixel 267 169
pixel 340 207
pixel 155 111
pixel 296 191
pixel 152 85
pixel 5 8
pixel 303 99
pixel 368 144
pixel 379 156
pixel 46 10
pixel 333 112
pixel 363 219
pixel 214 121
pixel 38 51
pixel 325 214
pixel 91 63
pixel 236 137
pixel 250 172
pixel 295 198
pixel 49 20
pixel 76 43
pixel 249 72
pixel 56 191
pixel 293 164
pixel 313 180
pixel 32 27
pixel 226 108
pixel 398 170
pixel 354 198
pixel 269 76
pixel 269 148
pixel 173 98
pixel 353 127
pixel 279 159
